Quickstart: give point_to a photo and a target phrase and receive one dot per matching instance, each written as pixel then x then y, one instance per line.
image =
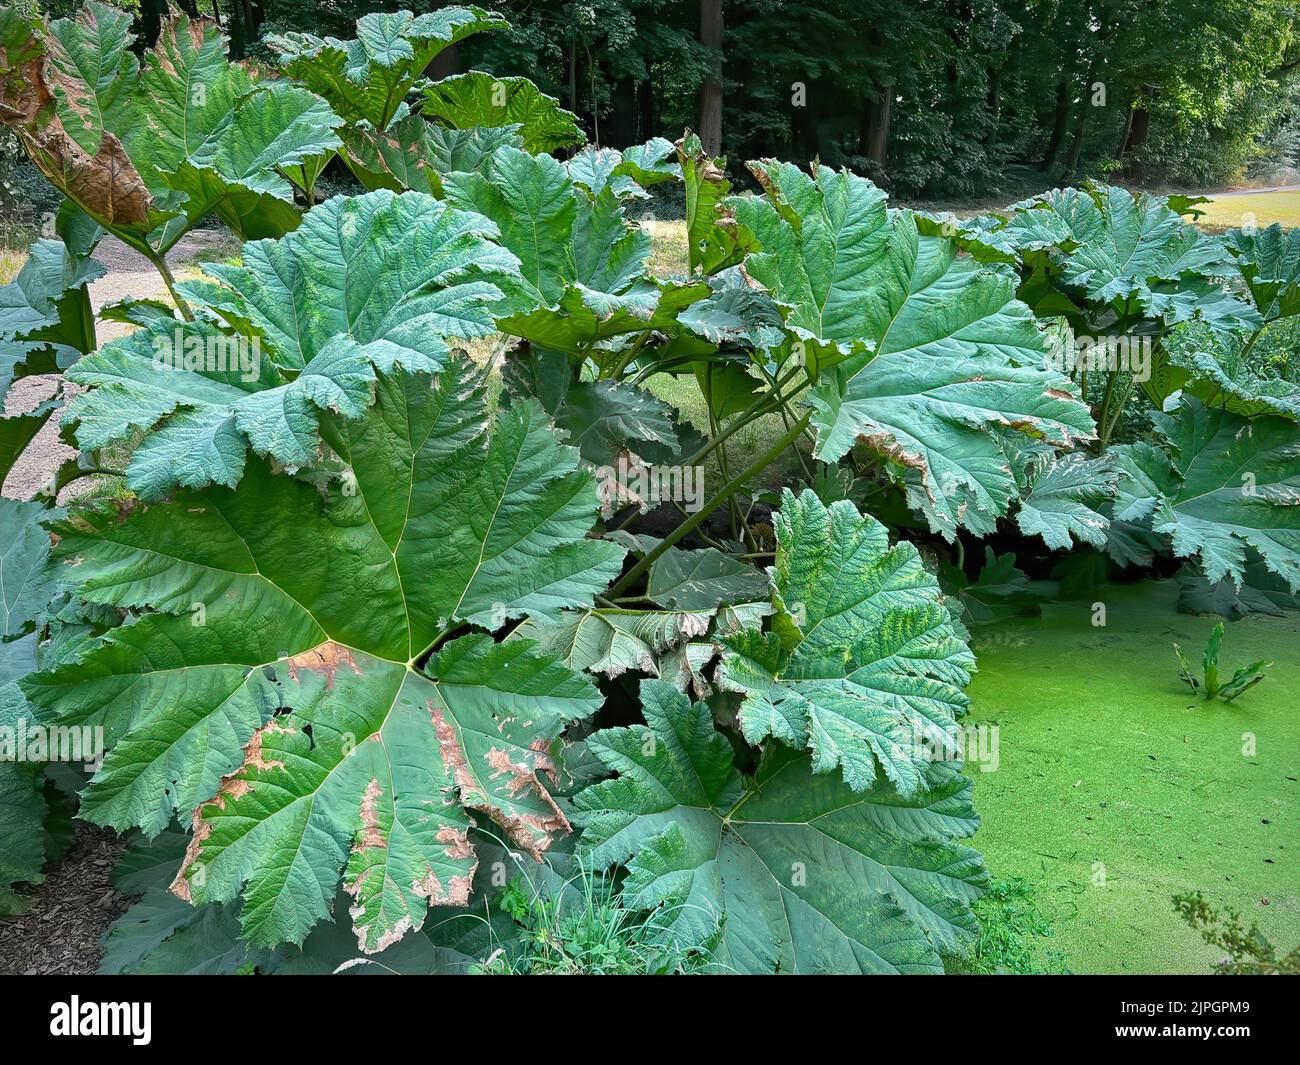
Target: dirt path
pixel 1250 192
pixel 72 908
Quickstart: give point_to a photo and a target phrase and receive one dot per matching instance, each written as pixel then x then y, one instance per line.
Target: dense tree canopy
pixel 929 97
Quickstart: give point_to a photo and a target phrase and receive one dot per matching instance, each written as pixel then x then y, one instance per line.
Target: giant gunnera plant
pixel 340 577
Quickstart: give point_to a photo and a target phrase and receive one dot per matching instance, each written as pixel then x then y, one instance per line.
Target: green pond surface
pixel 1116 787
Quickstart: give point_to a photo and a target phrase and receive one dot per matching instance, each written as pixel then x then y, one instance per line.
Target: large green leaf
pixel 22 829
pixel 703 580
pixel 1215 368
pixel 365 284
pixel 1260 592
pixel 26 589
pixel 314 740
pixel 532 201
pixel 1129 251
pixel 480 99
pixel 603 419
pixel 163 935
pixel 1001 590
pixel 938 356
pixel 1230 484
pixel 17 431
pixel 610 641
pixel 187 89
pixel 862 664
pixel 1065 501
pixel 790 872
pixel 367 78
pixel 23 811
pixel 414 154
pixel 26 583
pixel 236 172
pixel 583 288
pixel 1269 261
pixel 706 596
pixel 826 251
pixel 45 316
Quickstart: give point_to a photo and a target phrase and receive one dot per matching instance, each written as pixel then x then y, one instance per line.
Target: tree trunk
pixel 1139 126
pixel 1139 122
pixel 1081 123
pixel 1059 121
pixel 625 114
pixel 880 111
pixel 995 101
pixel 573 75
pixel 1128 130
pixel 711 91
pixel 1080 129
pixel 648 123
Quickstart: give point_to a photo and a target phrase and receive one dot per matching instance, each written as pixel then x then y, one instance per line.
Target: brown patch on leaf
pixel 533 833
pixel 173 27
pixel 400 927
pixel 885 444
pixel 456 841
pixel 104 182
pixel 259 70
pixel 370 836
pixel 326 659
pixel 455 894
pixel 233 785
pixel 453 756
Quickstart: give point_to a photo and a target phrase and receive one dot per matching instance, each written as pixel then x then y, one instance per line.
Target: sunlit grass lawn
pixel 668 252
pixel 1265 208
pixel 11 261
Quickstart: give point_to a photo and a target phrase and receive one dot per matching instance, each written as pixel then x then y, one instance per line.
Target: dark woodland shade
pixel 928 98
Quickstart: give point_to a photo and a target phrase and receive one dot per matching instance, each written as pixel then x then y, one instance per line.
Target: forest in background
pixel 931 98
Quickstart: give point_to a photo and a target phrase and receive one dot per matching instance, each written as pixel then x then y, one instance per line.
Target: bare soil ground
pixel 70 911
